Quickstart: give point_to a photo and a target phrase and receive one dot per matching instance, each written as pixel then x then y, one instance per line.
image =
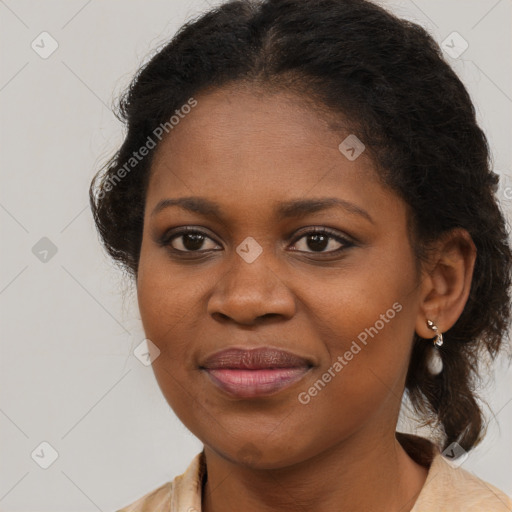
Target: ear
pixel 446 282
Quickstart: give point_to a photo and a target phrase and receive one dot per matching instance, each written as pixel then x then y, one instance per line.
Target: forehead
pixel 256 137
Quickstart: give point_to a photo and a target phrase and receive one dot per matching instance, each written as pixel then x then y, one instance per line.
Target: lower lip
pixel 253 383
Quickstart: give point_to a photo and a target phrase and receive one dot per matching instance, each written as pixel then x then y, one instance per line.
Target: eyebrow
pixel 295 208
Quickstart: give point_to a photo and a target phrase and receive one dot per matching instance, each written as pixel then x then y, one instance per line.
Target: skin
pixel 248 150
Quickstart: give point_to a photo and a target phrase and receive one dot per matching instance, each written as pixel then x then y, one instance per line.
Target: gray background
pixel 70 324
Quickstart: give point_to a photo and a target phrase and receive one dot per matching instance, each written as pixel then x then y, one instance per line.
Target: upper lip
pixel 254 359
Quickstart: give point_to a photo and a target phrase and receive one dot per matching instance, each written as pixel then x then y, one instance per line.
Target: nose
pixel 247 292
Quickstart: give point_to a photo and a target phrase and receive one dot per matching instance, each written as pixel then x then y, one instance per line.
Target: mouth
pixel 252 373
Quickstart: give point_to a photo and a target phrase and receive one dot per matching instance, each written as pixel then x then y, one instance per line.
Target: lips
pixel 247 373
pixel 254 359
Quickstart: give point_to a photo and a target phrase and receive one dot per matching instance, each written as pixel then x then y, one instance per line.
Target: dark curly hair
pixel 388 78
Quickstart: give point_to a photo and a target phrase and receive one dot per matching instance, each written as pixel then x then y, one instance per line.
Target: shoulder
pixel 182 493
pixel 157 500
pixel 449 487
pixel 453 489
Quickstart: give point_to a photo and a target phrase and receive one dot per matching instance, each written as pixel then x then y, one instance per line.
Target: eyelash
pixel 168 237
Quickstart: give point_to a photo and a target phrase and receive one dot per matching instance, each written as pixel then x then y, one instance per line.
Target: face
pixel 335 285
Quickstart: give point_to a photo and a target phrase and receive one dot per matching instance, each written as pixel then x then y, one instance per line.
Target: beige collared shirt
pixel 446 489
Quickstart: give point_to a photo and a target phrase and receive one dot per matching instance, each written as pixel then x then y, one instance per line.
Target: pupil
pixel 316 244
pixel 197 241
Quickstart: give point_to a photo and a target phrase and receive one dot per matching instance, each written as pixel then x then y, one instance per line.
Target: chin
pixel 263 456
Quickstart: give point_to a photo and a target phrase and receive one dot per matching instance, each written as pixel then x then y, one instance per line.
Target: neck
pixel 363 473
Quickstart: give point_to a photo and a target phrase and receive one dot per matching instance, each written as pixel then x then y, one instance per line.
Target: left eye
pixel 319 240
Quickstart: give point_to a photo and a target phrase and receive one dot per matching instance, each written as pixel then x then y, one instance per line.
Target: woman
pixel 305 202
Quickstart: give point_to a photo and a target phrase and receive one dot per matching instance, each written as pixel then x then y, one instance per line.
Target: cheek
pixel 363 375
pixel 171 304
pixel 366 301
pixel 167 311
pixel 164 298
pixel 161 312
pixel 366 317
pixel 162 306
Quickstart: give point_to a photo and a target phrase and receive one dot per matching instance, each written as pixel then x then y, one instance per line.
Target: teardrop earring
pixel 435 362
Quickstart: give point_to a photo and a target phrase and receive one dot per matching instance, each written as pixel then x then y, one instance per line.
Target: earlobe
pixel 447 284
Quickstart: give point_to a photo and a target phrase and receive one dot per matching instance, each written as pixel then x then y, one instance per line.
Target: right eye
pixel 192 240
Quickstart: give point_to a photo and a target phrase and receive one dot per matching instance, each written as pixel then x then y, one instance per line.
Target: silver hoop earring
pixel 435 363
